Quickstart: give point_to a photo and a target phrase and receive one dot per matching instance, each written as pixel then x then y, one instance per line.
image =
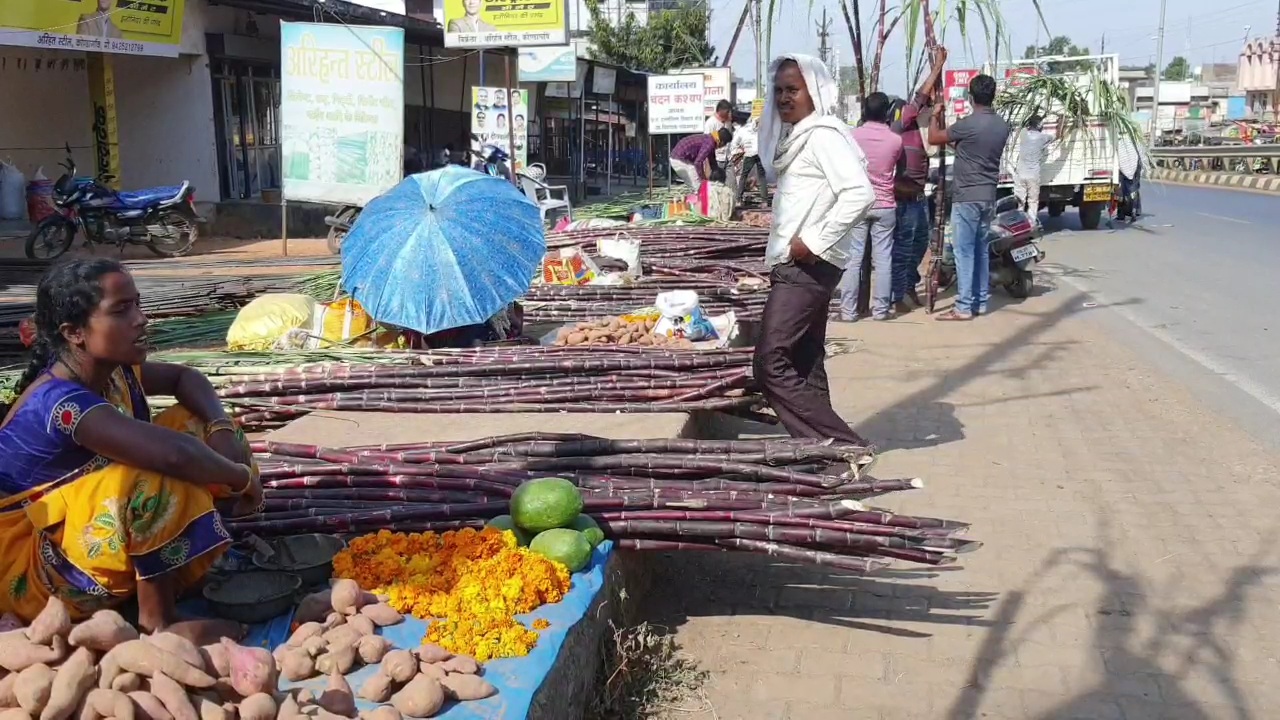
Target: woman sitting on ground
pixel 98 501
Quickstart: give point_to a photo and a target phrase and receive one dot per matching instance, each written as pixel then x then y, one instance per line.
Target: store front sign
pixel 341 111
pixel 548 64
pixel 717 85
pixel 125 27
pixel 675 104
pixel 505 23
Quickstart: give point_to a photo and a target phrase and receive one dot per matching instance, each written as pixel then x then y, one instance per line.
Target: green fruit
pixel 568 547
pixel 504 522
pixel 588 527
pixel 545 503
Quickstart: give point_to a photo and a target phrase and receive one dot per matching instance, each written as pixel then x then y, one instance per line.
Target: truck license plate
pixel 1026 252
pixel 1097 193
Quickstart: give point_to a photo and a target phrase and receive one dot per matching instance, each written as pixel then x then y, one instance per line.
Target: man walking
pixel 1026 175
pixel 721 119
pixel 822 193
pixel 745 145
pixel 883 149
pixel 912 225
pixel 979 141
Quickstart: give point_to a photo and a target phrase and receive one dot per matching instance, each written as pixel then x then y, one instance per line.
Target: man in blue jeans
pixel 978 142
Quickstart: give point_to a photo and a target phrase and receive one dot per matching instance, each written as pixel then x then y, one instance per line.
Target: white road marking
pixel 1224 217
pixel 1244 384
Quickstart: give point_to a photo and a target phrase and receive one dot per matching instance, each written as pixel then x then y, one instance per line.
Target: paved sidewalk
pixel 1131 560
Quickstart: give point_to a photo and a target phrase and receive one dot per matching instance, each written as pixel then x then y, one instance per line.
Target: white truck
pixel 1081 169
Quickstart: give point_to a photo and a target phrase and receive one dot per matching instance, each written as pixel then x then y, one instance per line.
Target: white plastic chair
pixel 537 171
pixel 544 197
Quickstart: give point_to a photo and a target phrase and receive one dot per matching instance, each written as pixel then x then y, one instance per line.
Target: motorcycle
pixel 162 219
pixel 1011 252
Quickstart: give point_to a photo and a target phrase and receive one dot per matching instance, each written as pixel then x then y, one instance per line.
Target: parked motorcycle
pixel 1011 252
pixel 162 219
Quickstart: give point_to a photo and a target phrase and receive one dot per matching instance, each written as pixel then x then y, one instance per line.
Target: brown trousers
pixel 789 356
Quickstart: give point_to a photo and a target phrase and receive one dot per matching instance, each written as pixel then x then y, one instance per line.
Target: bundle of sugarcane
pixel 794 499
pixel 266 390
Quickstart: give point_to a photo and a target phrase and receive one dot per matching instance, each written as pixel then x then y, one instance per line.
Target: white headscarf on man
pixel 822 88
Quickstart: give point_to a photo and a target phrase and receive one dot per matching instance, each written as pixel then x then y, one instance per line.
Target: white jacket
pixel 823 190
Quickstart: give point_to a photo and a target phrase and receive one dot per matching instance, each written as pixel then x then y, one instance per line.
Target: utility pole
pixel 759 37
pixel 824 51
pixel 1275 53
pixel 1155 90
pixel 1103 50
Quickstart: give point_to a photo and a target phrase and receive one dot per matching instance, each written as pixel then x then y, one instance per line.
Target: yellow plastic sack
pixel 340 321
pixel 268 318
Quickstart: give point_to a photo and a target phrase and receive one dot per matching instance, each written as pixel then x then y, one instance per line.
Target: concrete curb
pixel 1266 183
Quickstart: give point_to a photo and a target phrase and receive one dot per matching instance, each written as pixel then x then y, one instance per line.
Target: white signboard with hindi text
pixel 675 104
pixel 717 85
pixel 341 111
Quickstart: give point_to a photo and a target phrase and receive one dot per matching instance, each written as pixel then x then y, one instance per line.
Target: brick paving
pixel 1131 560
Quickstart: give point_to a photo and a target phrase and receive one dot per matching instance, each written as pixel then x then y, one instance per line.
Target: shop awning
pixel 417 30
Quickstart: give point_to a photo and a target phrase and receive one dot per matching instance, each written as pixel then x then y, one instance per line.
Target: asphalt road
pixel 1197 275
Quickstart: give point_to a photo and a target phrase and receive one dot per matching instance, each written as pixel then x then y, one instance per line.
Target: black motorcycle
pixel 161 219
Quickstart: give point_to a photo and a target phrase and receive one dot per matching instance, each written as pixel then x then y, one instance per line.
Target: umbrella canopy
pixel 443 249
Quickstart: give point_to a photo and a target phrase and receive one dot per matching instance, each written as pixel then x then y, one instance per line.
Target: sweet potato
pixel 215 659
pixel 361 624
pixel 432 653
pixel 74 679
pixel 399 665
pixel 15 714
pixel 7 697
pixel 341 658
pixel 181 647
pixel 344 634
pixel 17 652
pixel 382 712
pixel 432 670
pixel 52 620
pixel 100 703
pixel 147 706
pixel 467 687
pixel 127 682
pixel 259 706
pixel 461 664
pixel 377 688
pixel 421 698
pixel 382 614
pixel 345 596
pixel 315 646
pixel 174 697
pixel 9 621
pixel 304 631
pixel 297 665
pixel 33 687
pixel 289 709
pixel 253 670
pixel 333 620
pixel 313 608
pixel 372 648
pixel 211 709
pixel 145 659
pixel 102 631
pixel 337 697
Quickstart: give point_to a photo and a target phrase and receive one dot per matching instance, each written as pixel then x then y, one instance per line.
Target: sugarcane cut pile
pixel 800 500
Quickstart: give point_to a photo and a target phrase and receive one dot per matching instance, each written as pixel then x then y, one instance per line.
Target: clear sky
pixel 1204 31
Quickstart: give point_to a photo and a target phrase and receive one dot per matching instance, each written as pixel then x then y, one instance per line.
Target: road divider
pixel 1266 183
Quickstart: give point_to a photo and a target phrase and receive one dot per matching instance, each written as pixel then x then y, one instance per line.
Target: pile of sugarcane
pixel 267 390
pixel 793 499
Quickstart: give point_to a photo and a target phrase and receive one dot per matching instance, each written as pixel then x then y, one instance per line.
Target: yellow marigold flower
pixel 469 583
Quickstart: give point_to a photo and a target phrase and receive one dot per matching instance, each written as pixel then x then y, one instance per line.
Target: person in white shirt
pixel 721 119
pixel 823 191
pixel 746 147
pixel 1026 178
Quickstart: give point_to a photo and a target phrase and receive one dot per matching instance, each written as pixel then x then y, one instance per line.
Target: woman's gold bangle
pixel 218 426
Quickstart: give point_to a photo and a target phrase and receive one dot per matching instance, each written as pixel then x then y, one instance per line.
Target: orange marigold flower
pixel 541 624
pixel 469 583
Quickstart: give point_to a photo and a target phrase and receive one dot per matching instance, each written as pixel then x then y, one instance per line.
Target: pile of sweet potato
pixel 103 668
pixel 618 331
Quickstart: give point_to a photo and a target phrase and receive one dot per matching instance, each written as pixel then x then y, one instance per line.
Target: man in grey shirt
pixel 1026 176
pixel 978 141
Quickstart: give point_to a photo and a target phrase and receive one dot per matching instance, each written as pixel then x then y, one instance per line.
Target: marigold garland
pixel 469 583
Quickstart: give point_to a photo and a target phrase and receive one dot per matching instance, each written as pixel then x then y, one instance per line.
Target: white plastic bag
pixel 682 316
pixel 13 192
pixel 622 248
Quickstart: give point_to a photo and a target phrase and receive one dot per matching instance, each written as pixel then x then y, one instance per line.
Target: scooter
pixel 162 219
pixel 1011 252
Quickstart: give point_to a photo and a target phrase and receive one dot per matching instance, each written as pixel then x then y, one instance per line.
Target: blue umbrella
pixel 443 249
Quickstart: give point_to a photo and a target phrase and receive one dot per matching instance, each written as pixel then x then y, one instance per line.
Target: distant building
pixel 1257 77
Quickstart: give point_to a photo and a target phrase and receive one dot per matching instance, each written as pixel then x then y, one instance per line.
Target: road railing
pixel 1244 159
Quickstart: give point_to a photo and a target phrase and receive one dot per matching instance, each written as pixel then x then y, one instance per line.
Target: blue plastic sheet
pixel 517 679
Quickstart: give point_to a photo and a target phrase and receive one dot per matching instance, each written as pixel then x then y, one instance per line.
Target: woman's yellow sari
pixel 92 534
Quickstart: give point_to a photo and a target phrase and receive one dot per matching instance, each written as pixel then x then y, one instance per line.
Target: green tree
pixel 1059 46
pixel 672 39
pixel 1177 69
